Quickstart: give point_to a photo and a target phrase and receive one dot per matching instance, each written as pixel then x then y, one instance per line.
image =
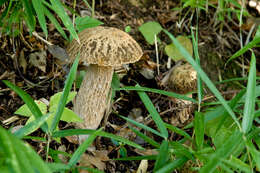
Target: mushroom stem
pixel 92 98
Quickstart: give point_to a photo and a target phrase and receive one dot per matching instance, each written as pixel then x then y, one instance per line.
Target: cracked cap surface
pixel 105 46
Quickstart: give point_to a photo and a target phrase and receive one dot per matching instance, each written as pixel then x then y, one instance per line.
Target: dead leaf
pixel 22 61
pixel 91 161
pixel 142 167
pixel 38 59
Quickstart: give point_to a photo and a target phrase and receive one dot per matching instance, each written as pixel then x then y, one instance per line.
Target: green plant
pixel 232 138
pixel 19 157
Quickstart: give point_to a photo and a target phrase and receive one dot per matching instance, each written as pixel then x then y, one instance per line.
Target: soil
pixel 218 40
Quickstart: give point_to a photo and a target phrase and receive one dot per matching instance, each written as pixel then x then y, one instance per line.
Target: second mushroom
pixel 103 48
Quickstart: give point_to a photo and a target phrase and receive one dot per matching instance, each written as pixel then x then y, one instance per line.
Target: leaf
pixel 28 101
pixel 149 30
pixel 153 113
pixel 162 157
pixel 65 94
pixel 57 5
pixel 249 107
pixel 204 77
pixel 31 127
pixel 178 131
pixel 86 22
pixel 254 152
pixel 38 7
pixel 222 152
pixel 173 52
pixel 69 116
pixel 55 99
pixel 25 111
pixel 199 129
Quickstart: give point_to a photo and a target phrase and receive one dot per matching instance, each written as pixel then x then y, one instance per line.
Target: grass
pixel 224 135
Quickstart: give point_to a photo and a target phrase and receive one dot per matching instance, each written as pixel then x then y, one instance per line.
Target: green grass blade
pixel 38 7
pixel 249 108
pixel 166 93
pixel 163 156
pixel 148 157
pixel 223 152
pixel 28 101
pixel 145 138
pixel 56 167
pixel 154 114
pixel 254 152
pixel 250 45
pixel 178 130
pixel 57 5
pixel 65 94
pixel 82 148
pixel 29 18
pixel 237 164
pixel 168 168
pixel 180 150
pixel 55 22
pixel 199 129
pixel 31 127
pixel 63 133
pixel 203 76
pixel 20 157
pixel 142 126
pixel 92 170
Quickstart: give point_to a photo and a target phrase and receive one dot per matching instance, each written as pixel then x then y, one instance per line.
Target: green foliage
pixel 33 11
pixel 150 31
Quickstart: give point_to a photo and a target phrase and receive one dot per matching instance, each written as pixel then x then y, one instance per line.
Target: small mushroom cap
pixel 183 79
pixel 105 46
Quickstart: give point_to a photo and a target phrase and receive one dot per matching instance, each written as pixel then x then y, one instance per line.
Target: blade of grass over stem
pixel 153 112
pixel 249 108
pixel 254 152
pixel 168 168
pixel 55 22
pixel 71 132
pixel 145 138
pixel 28 101
pixel 166 93
pixel 163 156
pixel 199 129
pixel 237 164
pixel 37 5
pixel 142 126
pixel 223 152
pixel 203 76
pixel 29 18
pixel 82 148
pixel 65 94
pixel 57 5
pixel 31 127
pixel 250 45
pixel 178 130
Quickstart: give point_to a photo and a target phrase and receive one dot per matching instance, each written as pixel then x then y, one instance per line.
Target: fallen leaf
pixel 38 60
pixel 142 167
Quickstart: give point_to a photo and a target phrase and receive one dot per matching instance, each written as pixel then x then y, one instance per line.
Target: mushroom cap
pixel 105 46
pixel 183 79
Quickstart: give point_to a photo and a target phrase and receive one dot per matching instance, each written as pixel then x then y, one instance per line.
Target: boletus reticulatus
pixel 103 48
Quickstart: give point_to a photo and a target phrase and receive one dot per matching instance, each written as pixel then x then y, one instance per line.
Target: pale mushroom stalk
pixel 103 48
pixel 93 94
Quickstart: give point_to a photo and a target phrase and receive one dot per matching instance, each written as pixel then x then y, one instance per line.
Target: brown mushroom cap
pixel 183 79
pixel 105 46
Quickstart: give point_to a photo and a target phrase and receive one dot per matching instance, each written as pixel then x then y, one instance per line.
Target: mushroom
pixel 103 48
pixel 183 80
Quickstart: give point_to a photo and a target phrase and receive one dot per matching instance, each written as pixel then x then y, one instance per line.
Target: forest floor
pixel 217 41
